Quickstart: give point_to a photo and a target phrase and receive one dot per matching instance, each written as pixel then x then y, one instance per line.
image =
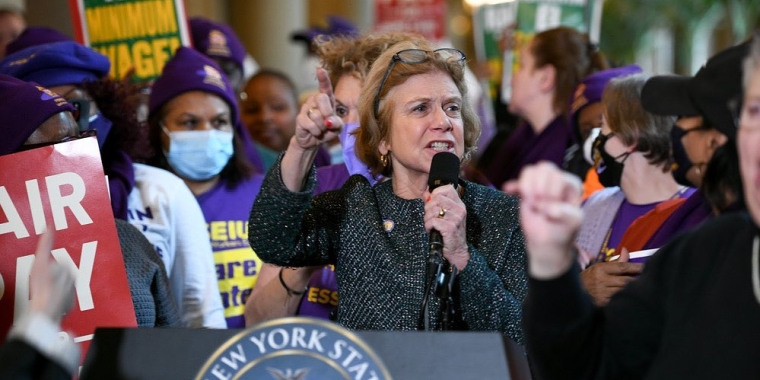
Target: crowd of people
pixel 613 234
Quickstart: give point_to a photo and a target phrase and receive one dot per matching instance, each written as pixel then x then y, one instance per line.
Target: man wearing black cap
pixel 702 104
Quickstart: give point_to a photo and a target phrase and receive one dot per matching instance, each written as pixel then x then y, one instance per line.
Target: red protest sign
pixel 62 186
pixel 426 17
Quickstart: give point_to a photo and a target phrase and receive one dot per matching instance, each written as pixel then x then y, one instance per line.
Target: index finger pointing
pixel 325 86
pixel 45 243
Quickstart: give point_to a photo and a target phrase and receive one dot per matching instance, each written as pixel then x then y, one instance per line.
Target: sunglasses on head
pixel 414 56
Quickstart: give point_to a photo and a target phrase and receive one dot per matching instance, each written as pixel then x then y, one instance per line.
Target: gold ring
pixel 442 213
pixel 308 113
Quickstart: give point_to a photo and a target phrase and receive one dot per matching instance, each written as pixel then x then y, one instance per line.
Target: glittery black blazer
pixel 378 244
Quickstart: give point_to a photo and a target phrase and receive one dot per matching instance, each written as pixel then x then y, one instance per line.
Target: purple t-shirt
pixel 627 213
pixel 321 295
pixel 331 177
pixel 237 266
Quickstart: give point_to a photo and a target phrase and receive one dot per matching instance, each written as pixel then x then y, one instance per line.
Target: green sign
pixel 524 18
pixel 136 35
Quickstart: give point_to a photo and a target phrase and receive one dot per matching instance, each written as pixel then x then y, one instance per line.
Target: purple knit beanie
pixel 216 40
pixel 56 64
pixel 189 70
pixel 24 108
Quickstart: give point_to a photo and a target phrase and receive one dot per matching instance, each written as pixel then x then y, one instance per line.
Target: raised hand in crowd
pixel 550 216
pixel 35 348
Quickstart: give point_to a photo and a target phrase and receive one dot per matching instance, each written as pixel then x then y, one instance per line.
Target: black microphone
pixel 444 170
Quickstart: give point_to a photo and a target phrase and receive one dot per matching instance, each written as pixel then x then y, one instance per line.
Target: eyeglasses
pixel 413 56
pixel 81 112
pixel 81 135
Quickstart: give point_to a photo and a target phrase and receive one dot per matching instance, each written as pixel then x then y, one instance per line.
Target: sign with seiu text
pixel 134 34
pixel 62 186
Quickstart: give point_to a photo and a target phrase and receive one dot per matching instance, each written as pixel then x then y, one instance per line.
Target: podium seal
pixel 295 348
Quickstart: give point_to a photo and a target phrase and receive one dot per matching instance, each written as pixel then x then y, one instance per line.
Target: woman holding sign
pixel 633 161
pixel 37 117
pixel 192 113
pixel 153 200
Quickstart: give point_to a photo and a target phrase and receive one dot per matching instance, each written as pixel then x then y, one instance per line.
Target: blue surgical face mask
pixel 102 126
pixel 336 154
pixel 198 155
pixel 348 141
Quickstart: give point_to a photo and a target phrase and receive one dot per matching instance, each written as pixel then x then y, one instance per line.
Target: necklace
pixel 681 190
pixel 755 268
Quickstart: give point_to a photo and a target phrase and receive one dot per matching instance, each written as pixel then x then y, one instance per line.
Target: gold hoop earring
pixel 384 160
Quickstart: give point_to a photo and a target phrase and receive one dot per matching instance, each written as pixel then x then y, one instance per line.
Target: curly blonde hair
pixel 346 55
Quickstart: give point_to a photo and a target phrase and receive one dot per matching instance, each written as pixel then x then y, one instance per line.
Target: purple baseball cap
pixel 336 26
pixel 24 108
pixel 590 89
pixel 56 64
pixel 190 70
pixel 216 40
pixel 33 36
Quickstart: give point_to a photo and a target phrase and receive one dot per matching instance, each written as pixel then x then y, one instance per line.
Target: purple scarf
pixel 692 212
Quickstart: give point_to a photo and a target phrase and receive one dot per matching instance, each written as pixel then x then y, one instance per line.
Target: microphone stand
pixel 444 290
pixel 441 274
pixel 435 263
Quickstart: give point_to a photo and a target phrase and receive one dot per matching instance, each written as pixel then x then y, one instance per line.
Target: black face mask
pixel 610 171
pixel 682 162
